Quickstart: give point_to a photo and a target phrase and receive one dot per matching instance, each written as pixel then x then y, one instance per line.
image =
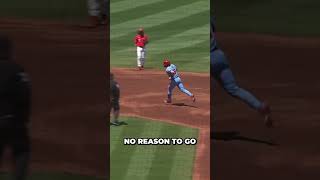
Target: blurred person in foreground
pixel 15 105
pixel 98 12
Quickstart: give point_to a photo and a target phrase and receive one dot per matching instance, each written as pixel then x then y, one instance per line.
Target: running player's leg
pixel 21 152
pixel 171 86
pixel 184 90
pixel 223 74
pixel 228 82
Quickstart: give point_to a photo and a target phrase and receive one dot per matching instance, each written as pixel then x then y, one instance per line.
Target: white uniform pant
pixel 98 7
pixel 141 56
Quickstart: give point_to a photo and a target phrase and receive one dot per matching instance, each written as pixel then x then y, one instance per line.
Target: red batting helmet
pixel 166 63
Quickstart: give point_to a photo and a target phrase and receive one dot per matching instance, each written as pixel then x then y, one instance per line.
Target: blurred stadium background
pixel 69 11
pixel 45 39
pixel 281 17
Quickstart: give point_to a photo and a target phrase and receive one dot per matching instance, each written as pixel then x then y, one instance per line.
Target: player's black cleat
pixel 265 111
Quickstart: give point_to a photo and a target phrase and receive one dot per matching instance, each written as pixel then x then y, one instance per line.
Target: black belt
pixel 141 46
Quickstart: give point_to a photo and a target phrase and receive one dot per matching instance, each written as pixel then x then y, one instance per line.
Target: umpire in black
pixel 114 100
pixel 15 97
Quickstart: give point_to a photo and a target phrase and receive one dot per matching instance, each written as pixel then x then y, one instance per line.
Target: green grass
pixel 281 17
pixel 166 162
pixel 52 176
pixel 178 30
pixel 66 10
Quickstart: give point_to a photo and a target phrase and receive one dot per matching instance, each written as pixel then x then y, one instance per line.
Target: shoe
pixel 139 68
pixel 167 101
pixel 115 123
pixel 268 121
pixel 193 98
pixel 265 111
pixel 142 67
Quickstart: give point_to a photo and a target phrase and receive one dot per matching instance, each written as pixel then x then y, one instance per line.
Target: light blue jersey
pixel 172 72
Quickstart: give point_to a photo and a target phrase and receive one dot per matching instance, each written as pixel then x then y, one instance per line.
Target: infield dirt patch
pixel 142 95
pixel 67 66
pixel 284 71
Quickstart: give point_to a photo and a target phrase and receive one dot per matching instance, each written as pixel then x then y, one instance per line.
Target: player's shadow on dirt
pixel 234 135
pixel 183 104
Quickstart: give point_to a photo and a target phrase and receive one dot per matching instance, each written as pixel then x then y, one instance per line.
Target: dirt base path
pixel 67 65
pixel 285 72
pixel 143 92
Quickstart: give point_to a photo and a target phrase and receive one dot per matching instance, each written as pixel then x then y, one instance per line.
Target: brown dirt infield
pixel 284 71
pixel 143 92
pixel 67 66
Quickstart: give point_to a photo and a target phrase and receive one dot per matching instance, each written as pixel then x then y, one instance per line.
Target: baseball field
pixel 67 66
pixel 273 53
pixel 156 162
pixel 177 30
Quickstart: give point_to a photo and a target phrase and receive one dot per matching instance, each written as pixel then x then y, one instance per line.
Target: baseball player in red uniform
pixel 141 40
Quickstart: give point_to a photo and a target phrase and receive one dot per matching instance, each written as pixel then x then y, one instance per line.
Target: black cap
pixel 5 48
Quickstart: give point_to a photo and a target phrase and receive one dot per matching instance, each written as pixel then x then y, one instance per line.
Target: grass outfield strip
pixel 146 10
pixel 129 4
pixel 178 30
pixel 182 40
pixel 157 34
pixel 115 140
pixel 151 162
pixel 164 157
pixel 159 18
pixel 170 47
pixel 121 153
pixel 182 159
pixel 142 160
pixel 53 176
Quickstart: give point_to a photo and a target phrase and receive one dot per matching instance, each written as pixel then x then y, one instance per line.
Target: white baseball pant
pixel 141 56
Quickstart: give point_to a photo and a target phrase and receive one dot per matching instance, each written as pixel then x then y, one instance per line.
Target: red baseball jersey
pixel 141 40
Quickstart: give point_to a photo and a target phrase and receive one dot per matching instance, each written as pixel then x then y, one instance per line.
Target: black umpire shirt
pixel 15 94
pixel 114 91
